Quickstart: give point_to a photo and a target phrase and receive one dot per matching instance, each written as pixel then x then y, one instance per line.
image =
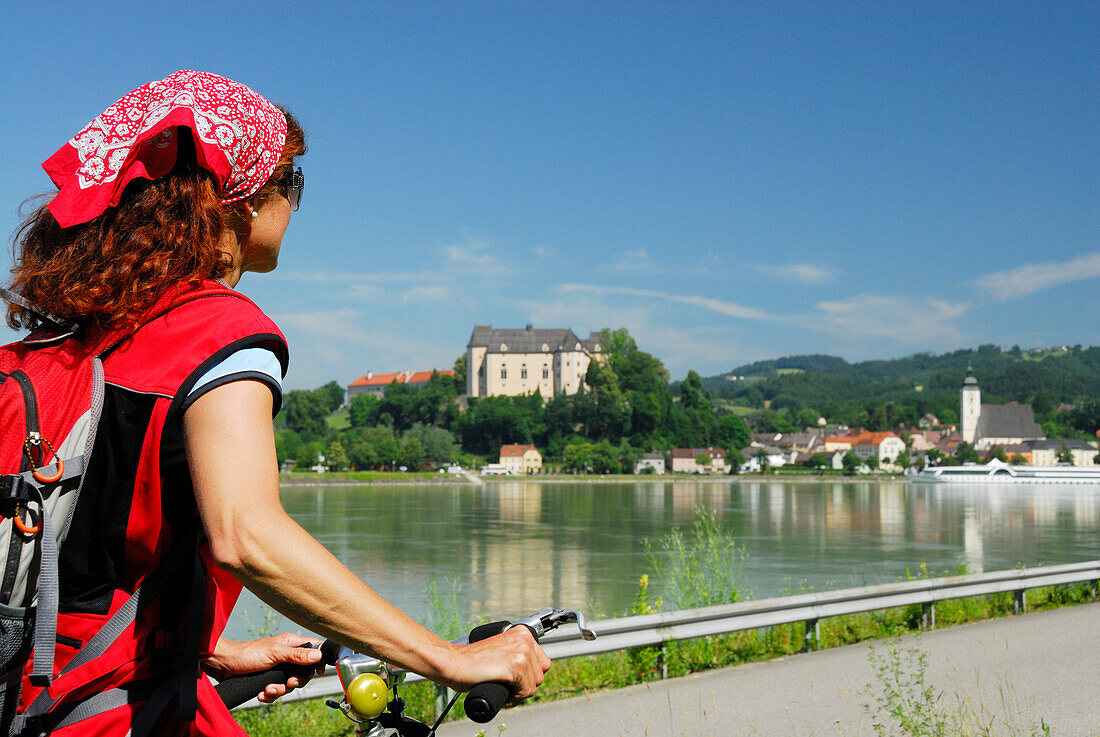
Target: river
pixel 507 548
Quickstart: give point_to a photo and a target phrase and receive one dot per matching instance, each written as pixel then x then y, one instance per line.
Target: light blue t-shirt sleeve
pixel 258 364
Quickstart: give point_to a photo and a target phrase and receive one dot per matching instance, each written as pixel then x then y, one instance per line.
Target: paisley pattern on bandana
pixel 238 137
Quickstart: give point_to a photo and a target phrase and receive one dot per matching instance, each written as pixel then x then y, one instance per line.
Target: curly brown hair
pixel 110 270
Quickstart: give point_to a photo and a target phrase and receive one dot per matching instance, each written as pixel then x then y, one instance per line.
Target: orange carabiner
pixel 22 527
pixel 52 477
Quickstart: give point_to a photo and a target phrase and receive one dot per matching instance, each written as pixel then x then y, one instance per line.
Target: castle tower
pixel 970 406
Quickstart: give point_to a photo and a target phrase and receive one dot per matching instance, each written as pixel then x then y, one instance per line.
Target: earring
pixel 255 214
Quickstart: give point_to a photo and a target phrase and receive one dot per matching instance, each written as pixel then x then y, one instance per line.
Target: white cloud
pixel 904 320
pixel 343 344
pixel 707 349
pixel 474 257
pixel 427 293
pixel 722 307
pixel 806 273
pixel 637 261
pixel 1022 281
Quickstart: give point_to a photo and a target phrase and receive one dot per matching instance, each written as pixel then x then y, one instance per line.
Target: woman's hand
pixel 512 657
pixel 232 658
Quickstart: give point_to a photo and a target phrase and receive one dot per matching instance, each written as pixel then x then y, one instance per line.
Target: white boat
pixel 999 472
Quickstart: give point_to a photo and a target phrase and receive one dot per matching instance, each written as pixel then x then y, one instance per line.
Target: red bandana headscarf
pixel 238 136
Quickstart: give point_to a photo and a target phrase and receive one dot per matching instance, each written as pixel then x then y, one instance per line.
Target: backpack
pixel 51 396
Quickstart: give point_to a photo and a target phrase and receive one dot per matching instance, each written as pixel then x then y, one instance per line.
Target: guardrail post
pixel 663 657
pixel 442 698
pixel 1019 601
pixel 928 616
pixel 813 635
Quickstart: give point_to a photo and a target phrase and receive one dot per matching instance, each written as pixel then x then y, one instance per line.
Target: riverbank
pixel 421 478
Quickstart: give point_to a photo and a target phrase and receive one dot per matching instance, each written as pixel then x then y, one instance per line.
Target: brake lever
pixel 549 619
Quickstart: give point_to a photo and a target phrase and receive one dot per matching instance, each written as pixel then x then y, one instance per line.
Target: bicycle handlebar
pixel 236 690
pixel 482 702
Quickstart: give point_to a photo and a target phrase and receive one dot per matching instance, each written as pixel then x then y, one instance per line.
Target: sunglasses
pixel 293 182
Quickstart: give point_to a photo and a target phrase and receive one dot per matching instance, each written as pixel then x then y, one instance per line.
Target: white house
pixel 653 460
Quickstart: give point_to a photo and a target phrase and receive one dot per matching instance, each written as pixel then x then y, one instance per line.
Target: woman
pixel 163 202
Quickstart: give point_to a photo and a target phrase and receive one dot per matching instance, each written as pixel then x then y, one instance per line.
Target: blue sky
pixel 728 181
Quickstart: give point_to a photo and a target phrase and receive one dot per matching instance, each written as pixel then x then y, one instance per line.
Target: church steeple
pixel 970 406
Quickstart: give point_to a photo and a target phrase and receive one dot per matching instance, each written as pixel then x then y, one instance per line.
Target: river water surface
pixel 508 548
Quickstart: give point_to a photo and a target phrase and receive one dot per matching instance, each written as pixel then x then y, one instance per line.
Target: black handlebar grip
pixel 486 699
pixel 236 690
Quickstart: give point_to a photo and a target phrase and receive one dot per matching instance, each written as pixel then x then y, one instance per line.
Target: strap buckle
pixel 14 488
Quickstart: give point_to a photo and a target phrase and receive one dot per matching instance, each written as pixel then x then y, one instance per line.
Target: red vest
pixel 137 499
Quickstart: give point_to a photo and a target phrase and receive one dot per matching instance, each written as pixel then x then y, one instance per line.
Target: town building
pixel 884 446
pixel 686 460
pixel 1045 452
pixel 652 460
pixel 520 459
pixel 517 362
pixel 986 425
pixel 376 384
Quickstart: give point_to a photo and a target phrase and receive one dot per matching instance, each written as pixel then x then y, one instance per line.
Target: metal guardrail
pixel 687 624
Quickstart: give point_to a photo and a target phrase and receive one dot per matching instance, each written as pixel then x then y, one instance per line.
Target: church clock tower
pixel 970 406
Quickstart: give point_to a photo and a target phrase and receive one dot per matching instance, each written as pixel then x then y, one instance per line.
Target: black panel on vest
pixel 92 557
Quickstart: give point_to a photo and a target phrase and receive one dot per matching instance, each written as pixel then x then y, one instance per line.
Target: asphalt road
pixel 1038 666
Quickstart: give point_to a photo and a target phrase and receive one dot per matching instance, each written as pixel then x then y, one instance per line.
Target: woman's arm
pixel 230 446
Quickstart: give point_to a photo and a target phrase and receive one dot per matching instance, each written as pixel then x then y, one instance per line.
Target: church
pixel 986 425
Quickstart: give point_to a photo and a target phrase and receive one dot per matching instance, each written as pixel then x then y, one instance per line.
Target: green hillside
pixel 903 389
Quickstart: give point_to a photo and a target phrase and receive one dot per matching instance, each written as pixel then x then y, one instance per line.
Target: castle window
pixel 545 373
pixel 504 373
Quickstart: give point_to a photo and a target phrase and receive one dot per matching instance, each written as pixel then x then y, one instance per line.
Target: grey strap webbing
pixel 45 618
pixel 114 627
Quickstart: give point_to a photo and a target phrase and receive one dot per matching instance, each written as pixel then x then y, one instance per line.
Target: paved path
pixel 1047 663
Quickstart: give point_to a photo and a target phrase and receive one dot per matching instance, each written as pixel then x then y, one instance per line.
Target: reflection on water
pixel 513 547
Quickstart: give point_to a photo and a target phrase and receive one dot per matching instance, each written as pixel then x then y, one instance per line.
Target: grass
pixel 364 476
pixel 697 566
pixel 906 703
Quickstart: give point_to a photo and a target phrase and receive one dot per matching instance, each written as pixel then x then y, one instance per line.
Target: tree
pixel 996 452
pixel 460 373
pixel 965 453
pixel 762 459
pixel 735 459
pixel 364 410
pixel 336 458
pixel 903 461
pixel 733 432
pixel 605 458
pixel 305 412
pixel 333 396
pixel 412 453
pixel 817 460
pixel 438 443
pixel 1064 455
pixel 577 456
pixel 851 463
pixel 702 460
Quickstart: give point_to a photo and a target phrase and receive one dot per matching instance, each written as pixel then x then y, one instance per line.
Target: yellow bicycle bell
pixel 367 696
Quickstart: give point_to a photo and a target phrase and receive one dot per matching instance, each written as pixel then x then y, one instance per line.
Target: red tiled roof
pixel 872 438
pixel 422 377
pixel 694 452
pixel 509 451
pixel 379 380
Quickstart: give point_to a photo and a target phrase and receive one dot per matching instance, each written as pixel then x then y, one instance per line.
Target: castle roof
pixel 532 340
